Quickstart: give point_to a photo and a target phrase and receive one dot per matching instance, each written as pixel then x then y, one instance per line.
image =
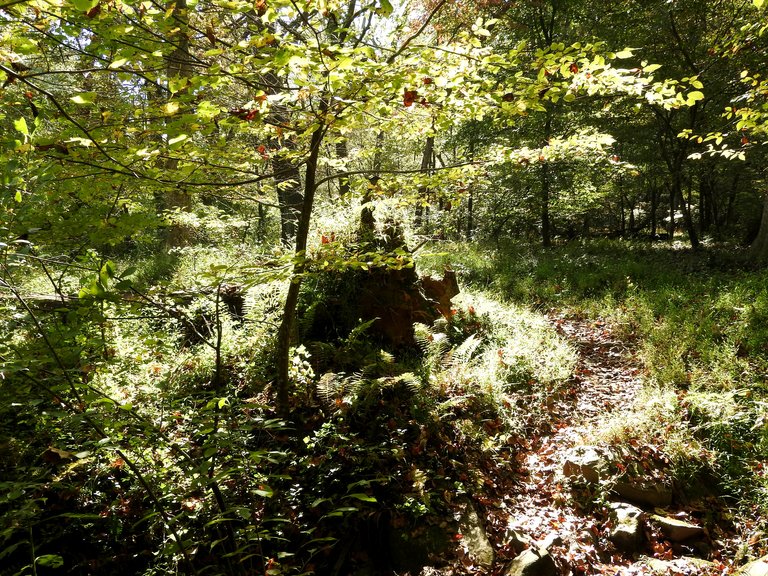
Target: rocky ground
pixel 577 506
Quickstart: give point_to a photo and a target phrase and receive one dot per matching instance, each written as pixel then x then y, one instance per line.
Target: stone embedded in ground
pixel 757 567
pixel 677 530
pixel 627 533
pixel 474 538
pixel 592 464
pixel 585 462
pixel 517 540
pixel 653 495
pixel 685 566
pixel 532 562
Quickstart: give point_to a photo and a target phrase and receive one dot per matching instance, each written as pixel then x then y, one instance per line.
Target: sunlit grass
pixel 698 321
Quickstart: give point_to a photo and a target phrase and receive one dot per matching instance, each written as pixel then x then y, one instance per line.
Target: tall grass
pixel 699 322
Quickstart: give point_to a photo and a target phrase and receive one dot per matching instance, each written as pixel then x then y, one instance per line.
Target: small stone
pixel 677 530
pixel 532 562
pixel 655 496
pixel 627 534
pixel 757 567
pixel 517 540
pixel 685 566
pixel 584 461
pixel 474 538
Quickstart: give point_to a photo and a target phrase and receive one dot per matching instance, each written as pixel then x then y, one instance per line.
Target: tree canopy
pixel 211 213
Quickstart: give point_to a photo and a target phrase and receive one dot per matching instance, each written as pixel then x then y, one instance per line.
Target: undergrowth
pixel 142 440
pixel 698 322
pixel 138 435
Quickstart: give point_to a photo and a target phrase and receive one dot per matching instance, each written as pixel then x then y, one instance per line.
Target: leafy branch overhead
pixel 371 287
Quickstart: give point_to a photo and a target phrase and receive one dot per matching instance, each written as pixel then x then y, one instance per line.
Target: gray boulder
pixel 532 562
pixel 757 567
pixel 677 530
pixel 593 464
pixel 586 462
pixel 627 532
pixel 474 538
pixel 652 495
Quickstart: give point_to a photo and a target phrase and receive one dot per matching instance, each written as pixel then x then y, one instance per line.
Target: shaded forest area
pixel 373 288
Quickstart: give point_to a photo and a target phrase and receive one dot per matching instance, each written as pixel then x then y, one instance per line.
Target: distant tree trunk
pixel 289 195
pixel 261 227
pixel 690 226
pixel 758 251
pixel 470 215
pixel 367 221
pixel 179 65
pixel 622 210
pixel 654 193
pixel 427 164
pixel 471 198
pixel 728 218
pixel 678 198
pixel 546 232
pixel 342 153
pixel 287 177
pixel 707 204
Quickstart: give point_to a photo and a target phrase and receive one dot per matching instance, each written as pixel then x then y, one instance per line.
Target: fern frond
pixel 434 344
pixel 330 386
pixel 462 354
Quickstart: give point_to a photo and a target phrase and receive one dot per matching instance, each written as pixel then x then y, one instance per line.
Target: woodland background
pixel 218 352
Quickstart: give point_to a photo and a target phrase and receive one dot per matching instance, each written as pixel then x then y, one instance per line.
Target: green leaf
pixel 265 491
pixel 177 141
pixel 17 197
pixel 626 53
pixel 21 126
pixel 50 560
pixel 84 98
pixel 758 3
pixel 362 497
pixel 177 84
pixel 84 5
pixel 118 63
pixel 694 97
pixel 340 511
pixel 107 272
pixel 385 8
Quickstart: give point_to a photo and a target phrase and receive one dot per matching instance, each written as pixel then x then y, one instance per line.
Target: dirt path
pixel 607 378
pixel 564 517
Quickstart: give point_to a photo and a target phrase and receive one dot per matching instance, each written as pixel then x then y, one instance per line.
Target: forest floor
pixel 570 517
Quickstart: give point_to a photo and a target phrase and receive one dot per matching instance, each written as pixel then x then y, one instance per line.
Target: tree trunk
pixel 367 228
pixel 690 226
pixel 427 164
pixel 285 329
pixel 758 251
pixel 654 193
pixel 287 177
pixel 546 232
pixel 471 198
pixel 342 153
pixel 470 215
pixel 289 195
pixel 179 65
pixel 731 201
pixel 672 223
